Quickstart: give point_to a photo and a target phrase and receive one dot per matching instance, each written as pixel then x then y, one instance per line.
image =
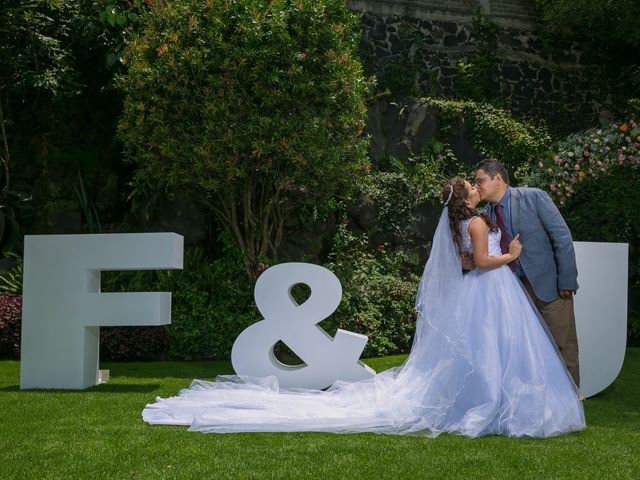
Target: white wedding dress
pixel 482 363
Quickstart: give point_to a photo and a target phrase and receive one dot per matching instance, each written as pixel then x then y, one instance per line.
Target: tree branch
pixel 6 158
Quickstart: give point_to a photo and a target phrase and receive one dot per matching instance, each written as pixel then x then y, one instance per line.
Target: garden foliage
pixel 379 289
pixel 593 176
pixel 212 302
pixel 255 109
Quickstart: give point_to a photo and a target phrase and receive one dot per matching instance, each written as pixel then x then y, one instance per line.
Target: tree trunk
pixel 256 219
pixel 5 159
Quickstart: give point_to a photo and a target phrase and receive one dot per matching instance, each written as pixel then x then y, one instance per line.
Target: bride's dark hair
pixel 454 195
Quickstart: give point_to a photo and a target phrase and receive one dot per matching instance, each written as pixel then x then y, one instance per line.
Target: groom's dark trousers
pixel 547 264
pixel 559 317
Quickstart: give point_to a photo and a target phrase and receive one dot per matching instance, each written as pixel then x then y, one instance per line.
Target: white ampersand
pixel 326 359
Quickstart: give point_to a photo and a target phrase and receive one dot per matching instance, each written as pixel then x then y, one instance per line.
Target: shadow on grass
pixel 168 369
pixel 114 388
pixel 207 369
pixel 617 408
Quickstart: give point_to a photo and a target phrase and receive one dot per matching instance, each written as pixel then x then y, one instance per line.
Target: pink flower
pixel 620 157
pixel 540 164
pixel 586 154
pixel 381 248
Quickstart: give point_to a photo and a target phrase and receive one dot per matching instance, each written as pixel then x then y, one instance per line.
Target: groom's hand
pixel 566 294
pixel 467 262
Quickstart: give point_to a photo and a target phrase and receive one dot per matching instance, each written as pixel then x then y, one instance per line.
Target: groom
pixel 547 265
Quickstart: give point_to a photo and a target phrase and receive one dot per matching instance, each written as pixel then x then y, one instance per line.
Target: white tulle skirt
pixel 493 370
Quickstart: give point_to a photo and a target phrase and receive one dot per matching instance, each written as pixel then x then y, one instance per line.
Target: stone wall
pixel 561 86
pixel 506 13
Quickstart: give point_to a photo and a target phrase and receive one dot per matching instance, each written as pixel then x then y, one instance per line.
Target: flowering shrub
pixel 10 322
pixel 593 177
pixel 587 155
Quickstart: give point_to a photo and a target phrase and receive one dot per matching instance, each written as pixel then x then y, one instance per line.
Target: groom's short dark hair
pixel 491 167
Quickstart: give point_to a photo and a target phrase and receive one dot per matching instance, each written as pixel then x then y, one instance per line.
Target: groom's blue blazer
pixel 548 258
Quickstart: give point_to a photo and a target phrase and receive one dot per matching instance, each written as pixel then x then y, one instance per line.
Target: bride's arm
pixel 479 232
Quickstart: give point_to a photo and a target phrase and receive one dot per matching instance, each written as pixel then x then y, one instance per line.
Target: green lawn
pixel 99 433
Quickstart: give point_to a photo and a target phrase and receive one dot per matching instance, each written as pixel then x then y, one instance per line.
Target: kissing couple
pixel 495 349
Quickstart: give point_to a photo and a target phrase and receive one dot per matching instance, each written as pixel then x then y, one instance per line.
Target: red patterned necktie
pixel 504 238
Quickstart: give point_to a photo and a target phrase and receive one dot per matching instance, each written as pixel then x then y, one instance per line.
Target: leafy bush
pixel 11 279
pixel 493 131
pixel 401 191
pixel 592 177
pixel 10 323
pixel 212 302
pixel 378 296
pixel 254 108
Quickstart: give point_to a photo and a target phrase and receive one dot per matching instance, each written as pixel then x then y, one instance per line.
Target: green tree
pixel 58 108
pixel 255 108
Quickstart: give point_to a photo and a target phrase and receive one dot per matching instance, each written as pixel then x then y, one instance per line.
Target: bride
pixel 482 361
